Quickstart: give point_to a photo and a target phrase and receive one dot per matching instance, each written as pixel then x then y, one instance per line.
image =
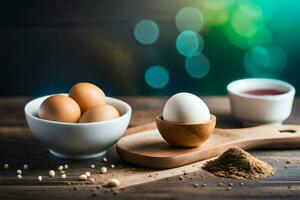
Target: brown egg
pixel 99 113
pixel 60 108
pixel 87 95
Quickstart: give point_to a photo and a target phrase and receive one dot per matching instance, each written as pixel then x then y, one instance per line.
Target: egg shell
pixel 60 108
pixel 99 113
pixel 186 108
pixel 87 95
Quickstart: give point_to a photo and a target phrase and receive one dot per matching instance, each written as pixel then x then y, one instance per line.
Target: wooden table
pixel 13 150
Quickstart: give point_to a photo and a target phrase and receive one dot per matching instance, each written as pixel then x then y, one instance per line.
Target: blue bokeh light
pixel 197 66
pixel 189 43
pixel 157 76
pixel 146 32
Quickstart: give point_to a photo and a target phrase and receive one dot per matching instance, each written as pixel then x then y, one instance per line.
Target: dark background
pixel 47 46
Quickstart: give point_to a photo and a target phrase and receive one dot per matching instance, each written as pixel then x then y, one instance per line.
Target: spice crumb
pixel 88 174
pixel 103 170
pixel 220 184
pixel 228 188
pixel 181 178
pixel 230 184
pixel 113 183
pixel 196 185
pixel 83 177
pixel 288 162
pixel 241 183
pixel 51 173
pixel 203 184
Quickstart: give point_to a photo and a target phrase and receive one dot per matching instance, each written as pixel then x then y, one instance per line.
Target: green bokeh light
pixel 247 20
pixel 189 43
pixel 146 32
pixel 189 18
pixel 262 61
pixel 197 66
pixel 157 76
pixel 264 37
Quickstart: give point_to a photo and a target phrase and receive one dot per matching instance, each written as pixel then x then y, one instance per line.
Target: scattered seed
pixel 290 187
pixel 241 183
pixel 40 178
pixel 51 173
pixel 230 184
pixel 25 166
pixel 62 172
pixel 69 183
pixel 88 174
pixel 93 166
pixel 94 194
pixel 66 166
pixel 220 184
pixel 196 185
pixel 288 162
pixel 19 176
pixel 19 172
pixel 60 167
pixel 82 177
pixel 103 170
pixel 98 187
pixel 75 188
pixel 228 188
pixel 181 178
pixel 6 166
pixel 150 175
pixel 104 159
pixel 113 183
pixel 116 192
pixel 112 166
pixel 64 176
pixel 203 184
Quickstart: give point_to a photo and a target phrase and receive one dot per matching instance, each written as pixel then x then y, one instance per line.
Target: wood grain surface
pixel 17 148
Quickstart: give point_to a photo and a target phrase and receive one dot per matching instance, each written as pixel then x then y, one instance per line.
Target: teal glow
pixel 189 18
pixel 157 77
pixel 189 43
pixel 265 61
pixel 146 32
pixel 197 66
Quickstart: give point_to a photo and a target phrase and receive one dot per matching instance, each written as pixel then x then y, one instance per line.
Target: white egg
pixel 186 108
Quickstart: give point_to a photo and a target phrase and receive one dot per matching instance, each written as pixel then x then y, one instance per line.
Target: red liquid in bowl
pixel 264 92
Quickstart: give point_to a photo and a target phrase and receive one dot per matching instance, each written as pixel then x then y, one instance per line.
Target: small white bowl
pixel 78 140
pixel 260 109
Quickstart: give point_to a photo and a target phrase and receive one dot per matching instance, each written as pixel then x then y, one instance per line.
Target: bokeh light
pixel 264 37
pixel 189 43
pixel 247 20
pixel 262 61
pixel 157 76
pixel 189 18
pixel 146 32
pixel 197 66
pixel 216 12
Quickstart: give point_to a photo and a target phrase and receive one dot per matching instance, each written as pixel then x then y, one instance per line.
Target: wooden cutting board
pixel 148 149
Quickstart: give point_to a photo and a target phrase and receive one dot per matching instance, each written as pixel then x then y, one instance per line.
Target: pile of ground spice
pixel 239 164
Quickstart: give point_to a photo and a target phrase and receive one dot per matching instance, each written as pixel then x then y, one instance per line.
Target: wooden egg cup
pixel 185 134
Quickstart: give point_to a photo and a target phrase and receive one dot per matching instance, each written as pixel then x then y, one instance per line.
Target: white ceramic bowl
pixel 255 109
pixel 78 140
